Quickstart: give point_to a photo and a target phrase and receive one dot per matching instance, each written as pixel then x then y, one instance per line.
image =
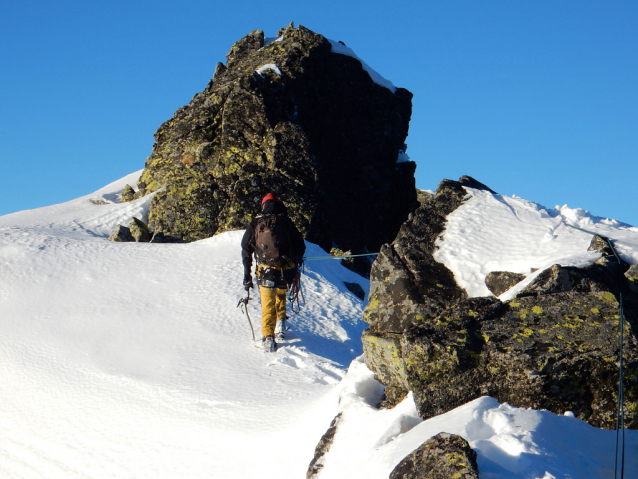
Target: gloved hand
pixel 248 282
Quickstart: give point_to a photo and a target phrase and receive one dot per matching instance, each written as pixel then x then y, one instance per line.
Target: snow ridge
pixel 132 360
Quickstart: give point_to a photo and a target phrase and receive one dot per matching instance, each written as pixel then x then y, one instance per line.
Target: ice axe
pixel 244 307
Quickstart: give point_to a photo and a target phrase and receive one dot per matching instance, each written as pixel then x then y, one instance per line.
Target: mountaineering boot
pixel 280 329
pixel 269 345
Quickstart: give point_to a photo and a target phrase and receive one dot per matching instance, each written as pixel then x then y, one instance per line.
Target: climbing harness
pixel 244 307
pixel 620 408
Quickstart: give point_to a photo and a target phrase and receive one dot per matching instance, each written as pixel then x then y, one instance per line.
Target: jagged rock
pixel 555 346
pixel 356 289
pixel 311 126
pixel 322 449
pixel 600 245
pixel 500 281
pixel 632 277
pixel 443 456
pixel 158 237
pixel 121 234
pixel 128 193
pixel 141 190
pixel 407 285
pixel 424 196
pixel 139 231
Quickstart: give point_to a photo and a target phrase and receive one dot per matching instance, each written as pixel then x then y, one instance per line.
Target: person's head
pixel 271 204
pixel 269 197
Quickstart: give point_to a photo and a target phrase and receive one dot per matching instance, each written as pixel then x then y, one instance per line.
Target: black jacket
pixel 296 244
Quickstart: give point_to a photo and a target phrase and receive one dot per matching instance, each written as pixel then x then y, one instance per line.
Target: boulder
pixel 443 456
pixel 158 237
pixel 322 449
pixel 295 118
pixel 632 277
pixel 121 234
pixel 555 346
pixel 128 193
pixel 139 231
pixel 500 281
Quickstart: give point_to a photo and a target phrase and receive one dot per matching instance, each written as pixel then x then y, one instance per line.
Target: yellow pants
pixel 273 307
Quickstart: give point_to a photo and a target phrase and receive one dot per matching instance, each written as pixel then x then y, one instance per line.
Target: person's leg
pixel 268 310
pixel 280 306
pixel 281 303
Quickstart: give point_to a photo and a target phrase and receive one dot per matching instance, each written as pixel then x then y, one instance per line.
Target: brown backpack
pixel 271 240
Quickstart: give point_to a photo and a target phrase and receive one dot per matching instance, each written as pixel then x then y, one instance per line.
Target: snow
pixel 268 67
pixel 127 360
pixel 510 442
pixel 340 48
pixel 402 157
pixel 491 232
pixel 269 40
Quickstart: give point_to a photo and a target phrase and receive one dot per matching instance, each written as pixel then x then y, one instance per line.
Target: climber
pixel 278 247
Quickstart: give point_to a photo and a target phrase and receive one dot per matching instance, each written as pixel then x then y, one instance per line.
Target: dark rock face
pixel 322 449
pixel 554 347
pixel 128 193
pixel 121 234
pixel 139 231
pixel 444 456
pixel 294 118
pixel 500 281
pixel 632 277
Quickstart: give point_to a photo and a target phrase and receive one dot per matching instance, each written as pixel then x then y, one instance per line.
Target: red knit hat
pixel 270 197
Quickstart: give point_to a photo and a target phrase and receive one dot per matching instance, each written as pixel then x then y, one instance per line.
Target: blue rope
pixel 313 258
pixel 620 408
pixel 620 412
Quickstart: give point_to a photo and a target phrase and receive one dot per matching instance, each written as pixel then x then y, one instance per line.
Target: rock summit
pixel 292 116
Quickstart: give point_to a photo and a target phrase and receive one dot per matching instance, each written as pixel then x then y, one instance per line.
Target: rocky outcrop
pixel 444 456
pixel 292 117
pixel 128 193
pixel 555 346
pixel 121 234
pixel 139 231
pixel 322 449
pixel 500 281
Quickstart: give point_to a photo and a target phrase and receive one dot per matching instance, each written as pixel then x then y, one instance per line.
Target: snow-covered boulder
pixel 552 345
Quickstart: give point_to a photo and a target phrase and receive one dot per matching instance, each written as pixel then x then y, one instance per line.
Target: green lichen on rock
pixel 315 130
pixel 500 281
pixel 139 231
pixel 444 456
pixel 121 234
pixel 555 346
pixel 322 448
pixel 128 193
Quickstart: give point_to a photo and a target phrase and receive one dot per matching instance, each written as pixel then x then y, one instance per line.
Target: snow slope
pixel 132 360
pixel 124 360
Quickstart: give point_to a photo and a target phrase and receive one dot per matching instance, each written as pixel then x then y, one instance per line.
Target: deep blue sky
pixel 533 98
